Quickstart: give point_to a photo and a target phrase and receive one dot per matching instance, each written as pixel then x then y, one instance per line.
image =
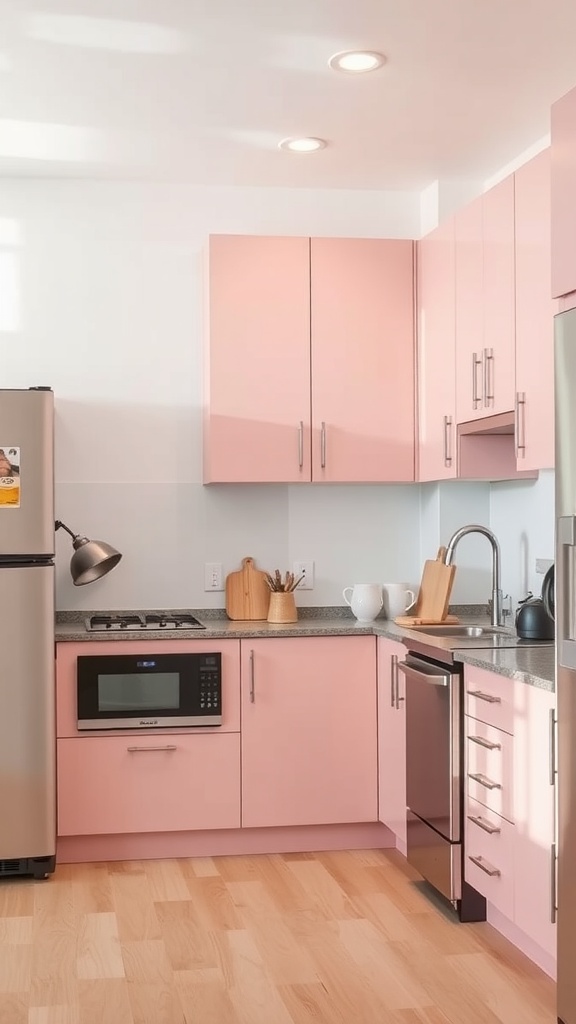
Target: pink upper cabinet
pixel 362 309
pixel 499 298
pixel 469 303
pixel 534 317
pixel 564 195
pixel 257 360
pixel 437 354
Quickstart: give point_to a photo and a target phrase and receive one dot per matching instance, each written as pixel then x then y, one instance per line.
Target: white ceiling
pixel 202 90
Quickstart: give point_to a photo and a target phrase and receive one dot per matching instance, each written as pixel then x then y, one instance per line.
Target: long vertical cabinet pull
pixel 488 377
pixel 552 781
pixel 301 444
pixel 447 440
pixel 520 425
pixel 396 681
pixel 252 683
pixel 323 445
pixel 476 362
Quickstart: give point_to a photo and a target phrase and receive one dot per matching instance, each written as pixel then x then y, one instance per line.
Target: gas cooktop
pixel 117 621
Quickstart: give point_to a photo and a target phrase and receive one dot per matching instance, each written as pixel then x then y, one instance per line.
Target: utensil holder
pixel 282 607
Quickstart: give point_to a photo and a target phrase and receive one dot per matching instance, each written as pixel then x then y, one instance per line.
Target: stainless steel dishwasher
pixel 434 771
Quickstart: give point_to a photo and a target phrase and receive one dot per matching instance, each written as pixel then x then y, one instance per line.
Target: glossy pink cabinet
pixel 563 134
pixel 391 739
pixel 362 308
pixel 309 731
pixel 436 255
pixel 309 360
pixel 257 360
pixel 534 317
pixel 485 304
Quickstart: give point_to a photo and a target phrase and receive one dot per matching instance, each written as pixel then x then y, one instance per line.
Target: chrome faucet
pixel 496 611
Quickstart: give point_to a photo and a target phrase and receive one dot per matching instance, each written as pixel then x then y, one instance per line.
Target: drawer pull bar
pixel 492 830
pixel 485 743
pixel 485 866
pixel 489 697
pixel 484 781
pixel 144 750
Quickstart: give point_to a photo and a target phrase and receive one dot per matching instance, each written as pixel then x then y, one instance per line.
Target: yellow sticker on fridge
pixel 9 476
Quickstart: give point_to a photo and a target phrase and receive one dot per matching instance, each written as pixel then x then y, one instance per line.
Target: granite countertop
pixel 531 665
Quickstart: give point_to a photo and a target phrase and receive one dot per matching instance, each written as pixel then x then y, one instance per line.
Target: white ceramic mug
pixel 365 600
pixel 398 598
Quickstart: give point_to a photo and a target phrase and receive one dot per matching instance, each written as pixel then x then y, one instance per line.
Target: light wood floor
pixel 330 938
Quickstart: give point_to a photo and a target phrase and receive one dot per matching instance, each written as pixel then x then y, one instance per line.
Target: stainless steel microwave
pixel 149 691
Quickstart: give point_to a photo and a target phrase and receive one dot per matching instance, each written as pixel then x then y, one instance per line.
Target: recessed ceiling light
pixel 308 145
pixel 357 61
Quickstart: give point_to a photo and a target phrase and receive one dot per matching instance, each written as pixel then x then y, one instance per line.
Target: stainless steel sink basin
pixel 472 632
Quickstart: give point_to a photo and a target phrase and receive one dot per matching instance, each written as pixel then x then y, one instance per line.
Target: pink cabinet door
pixel 257 360
pixel 437 354
pixel 534 815
pixel 469 316
pixel 534 317
pixel 309 731
pixel 141 783
pixel 362 359
pixel 563 133
pixel 499 298
pixel 391 739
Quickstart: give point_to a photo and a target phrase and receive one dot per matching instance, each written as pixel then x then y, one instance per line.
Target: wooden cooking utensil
pixel 247 593
pixel 434 594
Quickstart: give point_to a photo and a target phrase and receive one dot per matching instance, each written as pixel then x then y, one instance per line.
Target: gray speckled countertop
pixel 533 665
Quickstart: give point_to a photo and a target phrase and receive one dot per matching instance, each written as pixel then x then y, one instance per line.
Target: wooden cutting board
pixel 434 594
pixel 247 593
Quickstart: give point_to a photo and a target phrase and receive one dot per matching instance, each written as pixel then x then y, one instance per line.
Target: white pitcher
pixel 366 600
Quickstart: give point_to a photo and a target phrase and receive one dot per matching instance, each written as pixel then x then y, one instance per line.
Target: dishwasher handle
pixel 437 678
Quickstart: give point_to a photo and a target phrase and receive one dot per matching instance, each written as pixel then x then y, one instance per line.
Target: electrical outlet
pixel 213 576
pixel 543 564
pixel 305 569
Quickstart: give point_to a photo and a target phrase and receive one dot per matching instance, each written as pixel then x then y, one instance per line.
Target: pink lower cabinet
pixel 534 809
pixel 142 783
pixel 490 855
pixel 308 731
pixel 391 739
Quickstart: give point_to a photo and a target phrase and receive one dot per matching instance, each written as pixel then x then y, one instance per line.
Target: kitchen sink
pixel 472 632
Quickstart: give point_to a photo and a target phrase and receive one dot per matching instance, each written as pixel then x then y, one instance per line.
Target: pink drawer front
pixel 489 766
pixel 489 697
pixel 489 860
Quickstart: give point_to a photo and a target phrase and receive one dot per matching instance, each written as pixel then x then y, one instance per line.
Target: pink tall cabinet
pixel 392 740
pixel 563 135
pixel 309 360
pixel 436 262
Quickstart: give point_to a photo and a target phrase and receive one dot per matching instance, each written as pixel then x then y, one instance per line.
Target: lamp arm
pixel 59 524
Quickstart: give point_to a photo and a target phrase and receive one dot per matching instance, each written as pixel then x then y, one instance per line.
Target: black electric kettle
pixel 535 616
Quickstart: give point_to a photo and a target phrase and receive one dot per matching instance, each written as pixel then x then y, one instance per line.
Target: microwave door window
pixel 139 691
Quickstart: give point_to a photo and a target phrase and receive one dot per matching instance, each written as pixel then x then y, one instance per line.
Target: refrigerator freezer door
pixel 27 715
pixel 27 495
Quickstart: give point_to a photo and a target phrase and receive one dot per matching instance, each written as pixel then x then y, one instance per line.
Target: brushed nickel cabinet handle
pixel 485 866
pixel 553 899
pixel 485 743
pixel 252 679
pixel 477 819
pixel 301 444
pixel 145 750
pixel 488 376
pixel 447 438
pixel 489 697
pixel 323 446
pixel 484 780
pixel 552 747
pixel 393 679
pixel 475 364
pixel 394 660
pixel 520 425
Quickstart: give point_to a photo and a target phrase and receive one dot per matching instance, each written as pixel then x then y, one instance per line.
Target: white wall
pixel 100 298
pixel 522 516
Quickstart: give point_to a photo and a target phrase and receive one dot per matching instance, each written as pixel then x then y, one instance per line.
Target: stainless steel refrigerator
pixel 27 688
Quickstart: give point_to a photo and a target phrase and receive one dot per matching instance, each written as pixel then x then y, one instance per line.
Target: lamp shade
pixel 91 559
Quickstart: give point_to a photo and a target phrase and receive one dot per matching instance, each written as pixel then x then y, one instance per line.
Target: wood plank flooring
pixel 327 938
